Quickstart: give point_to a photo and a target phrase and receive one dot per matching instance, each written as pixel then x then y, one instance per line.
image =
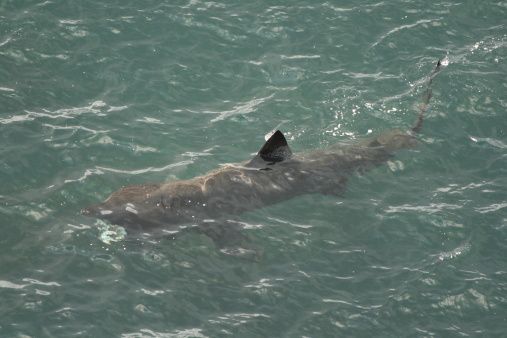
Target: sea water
pixel 100 94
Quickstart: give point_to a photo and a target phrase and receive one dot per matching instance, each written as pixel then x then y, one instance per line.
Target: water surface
pixel 101 94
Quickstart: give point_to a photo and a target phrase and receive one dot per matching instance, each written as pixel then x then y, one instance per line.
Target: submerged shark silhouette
pixel 275 174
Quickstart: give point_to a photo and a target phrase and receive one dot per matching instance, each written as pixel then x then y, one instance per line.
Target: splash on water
pixel 110 233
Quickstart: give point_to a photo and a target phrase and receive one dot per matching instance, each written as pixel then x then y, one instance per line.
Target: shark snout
pixel 100 211
pixel 87 211
pixel 94 210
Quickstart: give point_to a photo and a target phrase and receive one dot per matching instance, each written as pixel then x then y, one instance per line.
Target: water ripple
pixel 431 208
pixel 241 109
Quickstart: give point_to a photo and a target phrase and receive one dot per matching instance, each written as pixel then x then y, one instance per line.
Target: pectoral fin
pixel 230 240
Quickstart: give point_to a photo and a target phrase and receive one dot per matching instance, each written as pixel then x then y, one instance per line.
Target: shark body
pixel 275 174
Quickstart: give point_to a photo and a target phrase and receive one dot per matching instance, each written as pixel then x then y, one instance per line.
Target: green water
pixel 96 95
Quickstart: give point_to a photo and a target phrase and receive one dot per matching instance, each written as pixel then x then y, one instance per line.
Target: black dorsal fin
pixel 276 148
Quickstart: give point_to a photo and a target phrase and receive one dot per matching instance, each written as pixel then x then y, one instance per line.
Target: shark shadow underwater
pixel 275 174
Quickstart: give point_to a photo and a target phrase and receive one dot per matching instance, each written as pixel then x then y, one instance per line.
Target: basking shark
pixel 275 174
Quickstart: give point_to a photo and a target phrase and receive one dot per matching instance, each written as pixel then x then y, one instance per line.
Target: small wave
pixel 432 208
pixel 242 108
